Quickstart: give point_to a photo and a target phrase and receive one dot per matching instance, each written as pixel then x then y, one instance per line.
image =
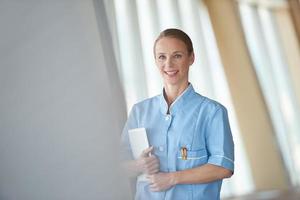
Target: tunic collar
pixel 179 101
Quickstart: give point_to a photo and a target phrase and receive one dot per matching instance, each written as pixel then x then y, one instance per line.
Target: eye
pixel 161 57
pixel 177 56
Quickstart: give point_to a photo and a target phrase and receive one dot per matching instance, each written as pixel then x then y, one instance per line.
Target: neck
pixel 171 92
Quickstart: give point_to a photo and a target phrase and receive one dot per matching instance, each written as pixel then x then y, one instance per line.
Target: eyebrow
pixel 161 53
pixel 178 52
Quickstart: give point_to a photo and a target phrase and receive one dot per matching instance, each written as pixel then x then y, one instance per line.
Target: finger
pixel 153 158
pixel 153 169
pixel 149 161
pixel 146 152
pixel 150 180
pixel 154 188
pixel 154 164
pixel 146 164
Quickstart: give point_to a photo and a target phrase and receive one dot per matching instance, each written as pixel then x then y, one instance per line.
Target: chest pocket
pixel 194 158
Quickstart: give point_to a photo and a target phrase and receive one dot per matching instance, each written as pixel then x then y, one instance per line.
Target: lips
pixel 171 73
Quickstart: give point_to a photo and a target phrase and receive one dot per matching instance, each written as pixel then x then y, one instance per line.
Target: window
pixel 270 62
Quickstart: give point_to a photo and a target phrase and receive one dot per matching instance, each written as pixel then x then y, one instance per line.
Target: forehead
pixel 169 44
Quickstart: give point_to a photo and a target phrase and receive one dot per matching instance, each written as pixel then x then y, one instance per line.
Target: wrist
pixel 137 166
pixel 175 178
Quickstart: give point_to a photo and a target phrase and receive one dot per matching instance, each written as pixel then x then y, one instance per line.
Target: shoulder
pixel 213 104
pixel 146 103
pixel 209 104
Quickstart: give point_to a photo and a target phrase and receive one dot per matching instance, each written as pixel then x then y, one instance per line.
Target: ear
pixel 192 58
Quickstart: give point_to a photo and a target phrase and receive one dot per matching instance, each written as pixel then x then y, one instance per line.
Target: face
pixel 173 60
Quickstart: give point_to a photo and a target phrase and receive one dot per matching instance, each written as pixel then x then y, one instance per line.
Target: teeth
pixel 171 73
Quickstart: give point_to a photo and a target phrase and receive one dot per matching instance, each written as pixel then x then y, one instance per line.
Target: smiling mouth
pixel 171 73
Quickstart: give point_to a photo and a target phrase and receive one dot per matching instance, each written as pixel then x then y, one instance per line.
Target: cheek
pixel 159 66
pixel 184 66
pixel 185 69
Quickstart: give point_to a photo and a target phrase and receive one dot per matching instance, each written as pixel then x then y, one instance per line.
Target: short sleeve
pixel 219 140
pixel 131 123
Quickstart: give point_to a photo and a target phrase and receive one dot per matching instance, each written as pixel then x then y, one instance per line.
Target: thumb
pixel 146 152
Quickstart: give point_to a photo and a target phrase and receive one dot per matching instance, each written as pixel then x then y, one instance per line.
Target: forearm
pixel 144 164
pixel 131 168
pixel 203 174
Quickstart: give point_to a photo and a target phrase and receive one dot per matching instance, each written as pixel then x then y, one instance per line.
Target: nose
pixel 169 63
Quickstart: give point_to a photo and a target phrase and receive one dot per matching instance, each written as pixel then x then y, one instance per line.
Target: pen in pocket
pixel 183 151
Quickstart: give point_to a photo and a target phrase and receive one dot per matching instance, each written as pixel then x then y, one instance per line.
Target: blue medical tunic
pixel 195 122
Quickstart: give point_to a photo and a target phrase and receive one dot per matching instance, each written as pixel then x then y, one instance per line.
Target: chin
pixel 171 82
pixel 174 81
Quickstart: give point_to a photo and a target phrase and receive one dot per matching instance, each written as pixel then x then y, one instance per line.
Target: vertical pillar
pixel 295 12
pixel 288 35
pixel 255 124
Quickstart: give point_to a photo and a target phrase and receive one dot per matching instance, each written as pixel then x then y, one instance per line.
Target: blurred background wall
pixel 61 104
pixel 71 70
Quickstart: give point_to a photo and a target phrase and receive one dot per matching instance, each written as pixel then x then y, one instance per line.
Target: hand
pixel 161 181
pixel 148 163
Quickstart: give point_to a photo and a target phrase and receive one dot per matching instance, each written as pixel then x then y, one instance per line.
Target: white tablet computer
pixel 139 142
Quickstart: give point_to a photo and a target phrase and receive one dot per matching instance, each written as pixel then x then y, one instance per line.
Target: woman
pixel 191 143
